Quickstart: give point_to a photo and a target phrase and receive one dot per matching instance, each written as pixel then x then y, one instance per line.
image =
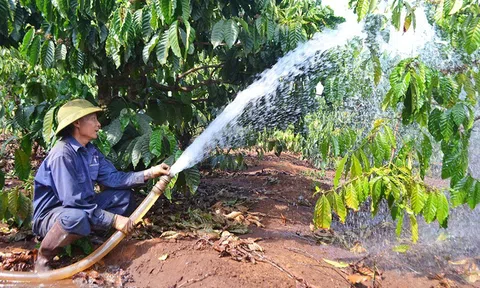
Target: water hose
pixel 69 271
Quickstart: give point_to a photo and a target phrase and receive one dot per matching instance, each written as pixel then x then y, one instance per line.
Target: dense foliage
pixel 161 68
pixel 164 68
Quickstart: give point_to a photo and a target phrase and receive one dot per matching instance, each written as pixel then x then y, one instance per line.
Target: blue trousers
pixel 76 220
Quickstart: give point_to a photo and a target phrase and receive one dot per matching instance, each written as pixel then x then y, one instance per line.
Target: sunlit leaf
pixel 323 213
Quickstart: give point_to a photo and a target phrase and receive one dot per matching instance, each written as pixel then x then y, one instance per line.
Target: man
pixel 66 206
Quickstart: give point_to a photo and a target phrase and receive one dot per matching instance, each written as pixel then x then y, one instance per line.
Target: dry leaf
pixel 472 277
pixel 366 271
pixel 355 278
pixel 336 264
pixel 255 247
pixel 459 262
pixel 163 257
pixel 358 249
pixel 233 214
pixel 173 235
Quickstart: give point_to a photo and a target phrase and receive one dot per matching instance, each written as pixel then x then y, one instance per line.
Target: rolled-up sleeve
pixel 72 195
pixel 109 176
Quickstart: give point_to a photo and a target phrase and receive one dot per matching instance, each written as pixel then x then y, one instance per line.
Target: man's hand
pixel 157 171
pixel 123 224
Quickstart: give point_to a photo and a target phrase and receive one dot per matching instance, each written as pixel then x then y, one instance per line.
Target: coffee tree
pixel 161 68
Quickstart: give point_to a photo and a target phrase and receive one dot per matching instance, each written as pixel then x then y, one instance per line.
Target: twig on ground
pixel 262 258
pixel 191 281
pixel 308 255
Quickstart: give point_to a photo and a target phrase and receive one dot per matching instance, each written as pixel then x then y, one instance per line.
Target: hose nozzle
pixel 161 184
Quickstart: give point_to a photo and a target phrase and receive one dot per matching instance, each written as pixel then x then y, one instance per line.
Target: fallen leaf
pixel 173 235
pixel 336 264
pixel 442 237
pixel 459 262
pixel 401 248
pixel 255 247
pixel 472 277
pixel 366 271
pixel 233 214
pixel 358 249
pixel 355 278
pixel 163 257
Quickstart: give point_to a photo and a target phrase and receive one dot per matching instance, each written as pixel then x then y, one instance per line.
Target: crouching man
pixel 66 206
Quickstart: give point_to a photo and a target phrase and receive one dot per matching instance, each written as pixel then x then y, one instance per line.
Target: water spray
pixel 85 263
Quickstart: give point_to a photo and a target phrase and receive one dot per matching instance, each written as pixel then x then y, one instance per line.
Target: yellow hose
pixel 96 255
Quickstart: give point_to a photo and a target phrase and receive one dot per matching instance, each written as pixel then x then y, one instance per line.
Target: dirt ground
pixel 181 244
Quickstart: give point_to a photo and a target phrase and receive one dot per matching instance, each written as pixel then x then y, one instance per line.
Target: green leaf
pixel 163 47
pixel 362 9
pixel 401 248
pixel 356 168
pixel 2 180
pixel 167 10
pixel 414 228
pixel 376 190
pixel 418 198
pixel 34 51
pixel 186 10
pixel 192 179
pixel 48 53
pixel 339 207
pixel 459 192
pixel 398 229
pixel 218 34
pixel 13 201
pixel 434 124
pixel 442 207
pixel 430 208
pixel 114 132
pixel 141 149
pixel 173 39
pixel 336 264
pixel 147 50
pixel 230 29
pixel 61 52
pixel 5 17
pixel 446 125
pixel 473 196
pixel 339 171
pixel 27 41
pixel 24 207
pixel 390 136
pixel 146 26
pixel 144 121
pixel 156 140
pixel 323 214
pixel 22 164
pixel 473 36
pixel 3 204
pixel 351 198
pixel 48 120
pixel 377 70
pixel 457 5
pixel 458 114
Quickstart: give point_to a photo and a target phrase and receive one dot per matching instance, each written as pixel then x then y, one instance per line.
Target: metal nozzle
pixel 161 184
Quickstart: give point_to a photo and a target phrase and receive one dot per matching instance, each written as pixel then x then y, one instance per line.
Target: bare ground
pixel 278 191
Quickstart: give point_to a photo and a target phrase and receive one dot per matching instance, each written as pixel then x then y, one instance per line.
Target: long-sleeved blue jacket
pixel 67 177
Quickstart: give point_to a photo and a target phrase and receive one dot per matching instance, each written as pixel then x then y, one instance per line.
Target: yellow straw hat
pixel 74 110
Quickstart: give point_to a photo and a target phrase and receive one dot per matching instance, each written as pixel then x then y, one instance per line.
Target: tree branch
pixel 476 119
pixel 176 88
pixel 196 69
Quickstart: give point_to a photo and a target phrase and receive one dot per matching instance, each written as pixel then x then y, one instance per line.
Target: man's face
pixel 88 126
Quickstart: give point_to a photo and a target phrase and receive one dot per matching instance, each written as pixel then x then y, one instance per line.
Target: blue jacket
pixel 67 177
